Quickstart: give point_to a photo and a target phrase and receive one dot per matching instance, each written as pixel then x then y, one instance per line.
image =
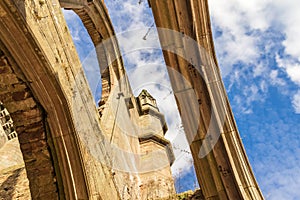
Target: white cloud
pixel 247 32
pixel 74 24
pixel 129 14
pixel 243 102
pixel 259 70
pixel 235 19
pixel 275 80
pixel 294 72
pixel 296 102
pixel 287 13
pixel 238 19
pixel 281 180
pixel 291 67
pixel 283 184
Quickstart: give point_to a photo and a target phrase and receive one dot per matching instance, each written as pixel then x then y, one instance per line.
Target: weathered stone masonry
pixel 28 119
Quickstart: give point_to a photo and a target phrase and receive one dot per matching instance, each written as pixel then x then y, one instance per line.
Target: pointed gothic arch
pixel 41 87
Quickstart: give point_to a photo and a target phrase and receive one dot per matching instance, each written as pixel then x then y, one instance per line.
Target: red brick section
pixel 29 122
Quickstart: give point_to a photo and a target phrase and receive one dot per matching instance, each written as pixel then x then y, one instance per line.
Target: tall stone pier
pixel 221 164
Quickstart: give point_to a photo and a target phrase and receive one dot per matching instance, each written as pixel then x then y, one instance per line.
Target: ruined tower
pixel 157 180
pixel 140 155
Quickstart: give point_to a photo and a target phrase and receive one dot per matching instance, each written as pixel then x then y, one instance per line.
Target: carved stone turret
pixel 155 149
pixel 149 114
pixel 146 101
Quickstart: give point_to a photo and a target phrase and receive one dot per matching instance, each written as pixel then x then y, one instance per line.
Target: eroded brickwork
pixel 28 119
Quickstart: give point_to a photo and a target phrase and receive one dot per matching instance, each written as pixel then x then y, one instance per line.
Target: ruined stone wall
pixel 67 150
pixel 158 182
pixel 28 121
pixel 122 121
pixel 56 118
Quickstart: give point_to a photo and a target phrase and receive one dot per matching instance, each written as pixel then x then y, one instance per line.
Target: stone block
pixel 20 95
pixel 26 104
pixel 31 135
pixel 3 62
pixel 5 69
pixel 53 195
pixel 9 79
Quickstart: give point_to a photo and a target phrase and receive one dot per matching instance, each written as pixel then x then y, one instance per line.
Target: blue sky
pixel 258 52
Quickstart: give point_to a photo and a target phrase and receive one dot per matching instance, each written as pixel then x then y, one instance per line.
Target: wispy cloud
pixel 275 80
pixel 296 102
pixel 291 66
pixel 248 35
pixel 273 153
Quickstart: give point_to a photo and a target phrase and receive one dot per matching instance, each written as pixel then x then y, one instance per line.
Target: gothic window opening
pixel 85 49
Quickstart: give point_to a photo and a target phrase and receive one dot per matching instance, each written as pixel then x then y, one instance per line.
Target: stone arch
pixel 44 88
pixel 29 122
pixel 95 18
pixel 221 163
